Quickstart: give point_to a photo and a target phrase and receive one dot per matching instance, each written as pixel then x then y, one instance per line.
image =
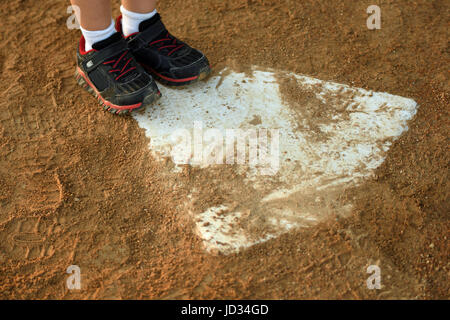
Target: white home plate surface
pixel 332 138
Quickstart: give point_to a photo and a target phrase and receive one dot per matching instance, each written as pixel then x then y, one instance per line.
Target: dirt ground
pixel 79 186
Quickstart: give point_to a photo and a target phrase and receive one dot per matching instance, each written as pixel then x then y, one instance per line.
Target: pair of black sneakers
pixel 120 71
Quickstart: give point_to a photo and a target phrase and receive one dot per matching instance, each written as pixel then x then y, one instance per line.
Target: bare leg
pixel 95 14
pixel 139 6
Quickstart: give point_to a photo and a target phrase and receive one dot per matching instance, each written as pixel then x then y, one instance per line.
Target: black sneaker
pixel 169 60
pixel 110 73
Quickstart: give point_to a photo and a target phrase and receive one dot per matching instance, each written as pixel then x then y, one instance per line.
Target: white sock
pixel 92 37
pixel 131 20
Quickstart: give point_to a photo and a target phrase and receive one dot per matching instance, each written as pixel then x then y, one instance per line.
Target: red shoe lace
pixel 173 44
pixel 121 70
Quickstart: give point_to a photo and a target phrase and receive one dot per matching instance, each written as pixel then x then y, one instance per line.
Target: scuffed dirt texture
pixel 78 186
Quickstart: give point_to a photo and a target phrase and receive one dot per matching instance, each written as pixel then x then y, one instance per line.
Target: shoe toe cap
pixel 191 69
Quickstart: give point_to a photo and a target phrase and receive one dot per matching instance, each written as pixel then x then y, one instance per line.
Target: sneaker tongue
pixel 147 23
pixel 105 43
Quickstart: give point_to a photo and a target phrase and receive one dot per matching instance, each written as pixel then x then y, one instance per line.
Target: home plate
pixel 295 143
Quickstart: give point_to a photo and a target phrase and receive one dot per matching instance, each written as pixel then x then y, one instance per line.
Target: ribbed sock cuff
pixel 92 37
pixel 131 20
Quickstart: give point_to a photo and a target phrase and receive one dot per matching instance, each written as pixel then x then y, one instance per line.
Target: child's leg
pixel 134 12
pixel 139 6
pixel 95 14
pixel 95 20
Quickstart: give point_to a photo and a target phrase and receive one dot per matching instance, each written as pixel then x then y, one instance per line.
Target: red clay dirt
pixel 79 186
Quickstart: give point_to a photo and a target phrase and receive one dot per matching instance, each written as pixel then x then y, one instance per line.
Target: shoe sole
pixel 203 74
pixel 86 84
